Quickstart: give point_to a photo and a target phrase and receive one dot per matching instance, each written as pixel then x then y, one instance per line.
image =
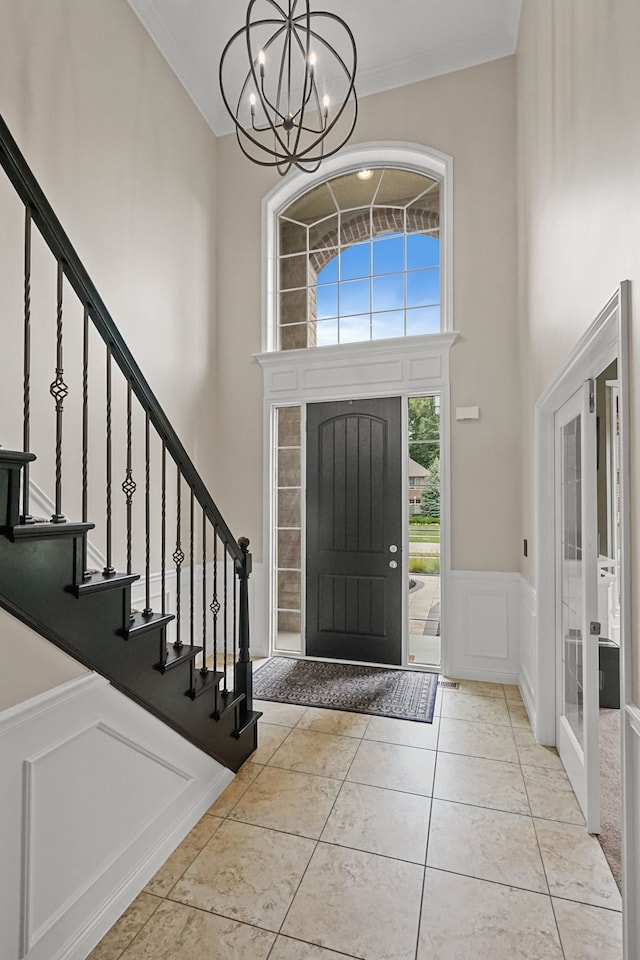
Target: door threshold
pixel 417 667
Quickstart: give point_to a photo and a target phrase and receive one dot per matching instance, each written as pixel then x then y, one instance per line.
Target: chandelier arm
pixel 305 50
pixel 227 47
pixel 265 103
pixel 264 100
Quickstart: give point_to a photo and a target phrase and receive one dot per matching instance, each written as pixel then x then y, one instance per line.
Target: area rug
pixel 401 694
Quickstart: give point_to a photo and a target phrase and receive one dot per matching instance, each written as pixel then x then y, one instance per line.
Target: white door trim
pixel 605 340
pixel 599 346
pixel 411 366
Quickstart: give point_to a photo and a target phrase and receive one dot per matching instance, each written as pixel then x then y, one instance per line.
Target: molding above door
pixel 353 370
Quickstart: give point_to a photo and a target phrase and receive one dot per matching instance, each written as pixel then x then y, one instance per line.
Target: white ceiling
pixel 398 41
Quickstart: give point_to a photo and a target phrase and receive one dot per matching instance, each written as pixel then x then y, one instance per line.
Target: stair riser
pixel 33 574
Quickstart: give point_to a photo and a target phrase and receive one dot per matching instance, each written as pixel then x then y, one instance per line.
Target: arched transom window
pixel 359 259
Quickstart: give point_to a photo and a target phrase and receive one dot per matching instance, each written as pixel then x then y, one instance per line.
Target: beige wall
pixel 39 666
pixel 471 116
pixel 129 166
pixel 578 76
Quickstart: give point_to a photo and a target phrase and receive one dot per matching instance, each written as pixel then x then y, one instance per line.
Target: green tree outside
pixel 424 430
pixel 430 505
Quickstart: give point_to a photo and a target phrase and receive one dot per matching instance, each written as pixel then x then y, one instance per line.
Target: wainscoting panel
pixel 482 626
pixel 95 794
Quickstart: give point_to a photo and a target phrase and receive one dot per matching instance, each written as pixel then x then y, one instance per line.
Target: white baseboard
pixel 95 794
pixel 482 626
pixel 527 681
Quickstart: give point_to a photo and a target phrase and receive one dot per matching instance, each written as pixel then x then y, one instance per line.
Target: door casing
pixel 406 367
pixel 605 340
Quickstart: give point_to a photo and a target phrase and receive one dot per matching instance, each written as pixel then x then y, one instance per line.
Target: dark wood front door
pixel 354 530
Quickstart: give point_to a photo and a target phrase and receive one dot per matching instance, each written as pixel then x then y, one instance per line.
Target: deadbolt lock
pixel 595 629
pixel 393 548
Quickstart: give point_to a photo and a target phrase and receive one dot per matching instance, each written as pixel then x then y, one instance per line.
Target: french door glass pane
pixel 571 579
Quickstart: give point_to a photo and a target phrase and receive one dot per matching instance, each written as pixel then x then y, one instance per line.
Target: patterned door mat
pixel 401 694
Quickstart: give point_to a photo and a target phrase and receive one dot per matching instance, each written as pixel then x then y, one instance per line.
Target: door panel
pixel 577 600
pixel 354 517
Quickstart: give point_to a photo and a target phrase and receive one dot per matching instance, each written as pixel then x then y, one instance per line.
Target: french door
pixel 577 629
pixel 354 569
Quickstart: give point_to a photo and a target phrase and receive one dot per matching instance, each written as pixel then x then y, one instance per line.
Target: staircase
pixel 188 661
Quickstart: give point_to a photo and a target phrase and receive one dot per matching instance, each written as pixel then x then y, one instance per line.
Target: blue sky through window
pixel 385 287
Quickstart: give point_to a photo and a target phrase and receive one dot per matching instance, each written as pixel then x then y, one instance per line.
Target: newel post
pixel 243 668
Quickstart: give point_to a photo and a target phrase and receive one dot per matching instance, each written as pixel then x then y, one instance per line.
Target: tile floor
pixel 352 836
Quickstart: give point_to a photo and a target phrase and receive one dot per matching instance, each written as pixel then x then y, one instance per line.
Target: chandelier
pixel 297 102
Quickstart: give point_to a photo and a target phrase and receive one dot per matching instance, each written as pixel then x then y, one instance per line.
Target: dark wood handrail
pixel 27 187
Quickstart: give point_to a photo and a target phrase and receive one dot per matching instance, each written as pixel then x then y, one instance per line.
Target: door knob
pixel 393 564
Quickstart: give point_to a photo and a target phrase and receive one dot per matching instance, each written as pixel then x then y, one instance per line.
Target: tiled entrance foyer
pixel 385 840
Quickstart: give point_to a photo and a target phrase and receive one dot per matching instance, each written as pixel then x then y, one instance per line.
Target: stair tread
pixel 203 683
pixel 100 581
pixel 39 531
pixel 16 457
pixel 175 658
pixel 141 624
pixel 250 721
pixel 227 701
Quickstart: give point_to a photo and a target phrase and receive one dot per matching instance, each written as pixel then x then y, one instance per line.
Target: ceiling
pixel 398 42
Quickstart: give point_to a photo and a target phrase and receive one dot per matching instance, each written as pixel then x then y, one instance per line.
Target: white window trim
pixel 410 156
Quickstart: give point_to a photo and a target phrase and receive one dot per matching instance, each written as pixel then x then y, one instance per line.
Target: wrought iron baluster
pixel 147 519
pixel 192 573
pixel 85 416
pixel 226 618
pixel 129 485
pixel 215 609
pixel 26 407
pixel 109 568
pixel 191 579
pixel 178 558
pixel 59 390
pixel 235 619
pixel 163 510
pixel 204 668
